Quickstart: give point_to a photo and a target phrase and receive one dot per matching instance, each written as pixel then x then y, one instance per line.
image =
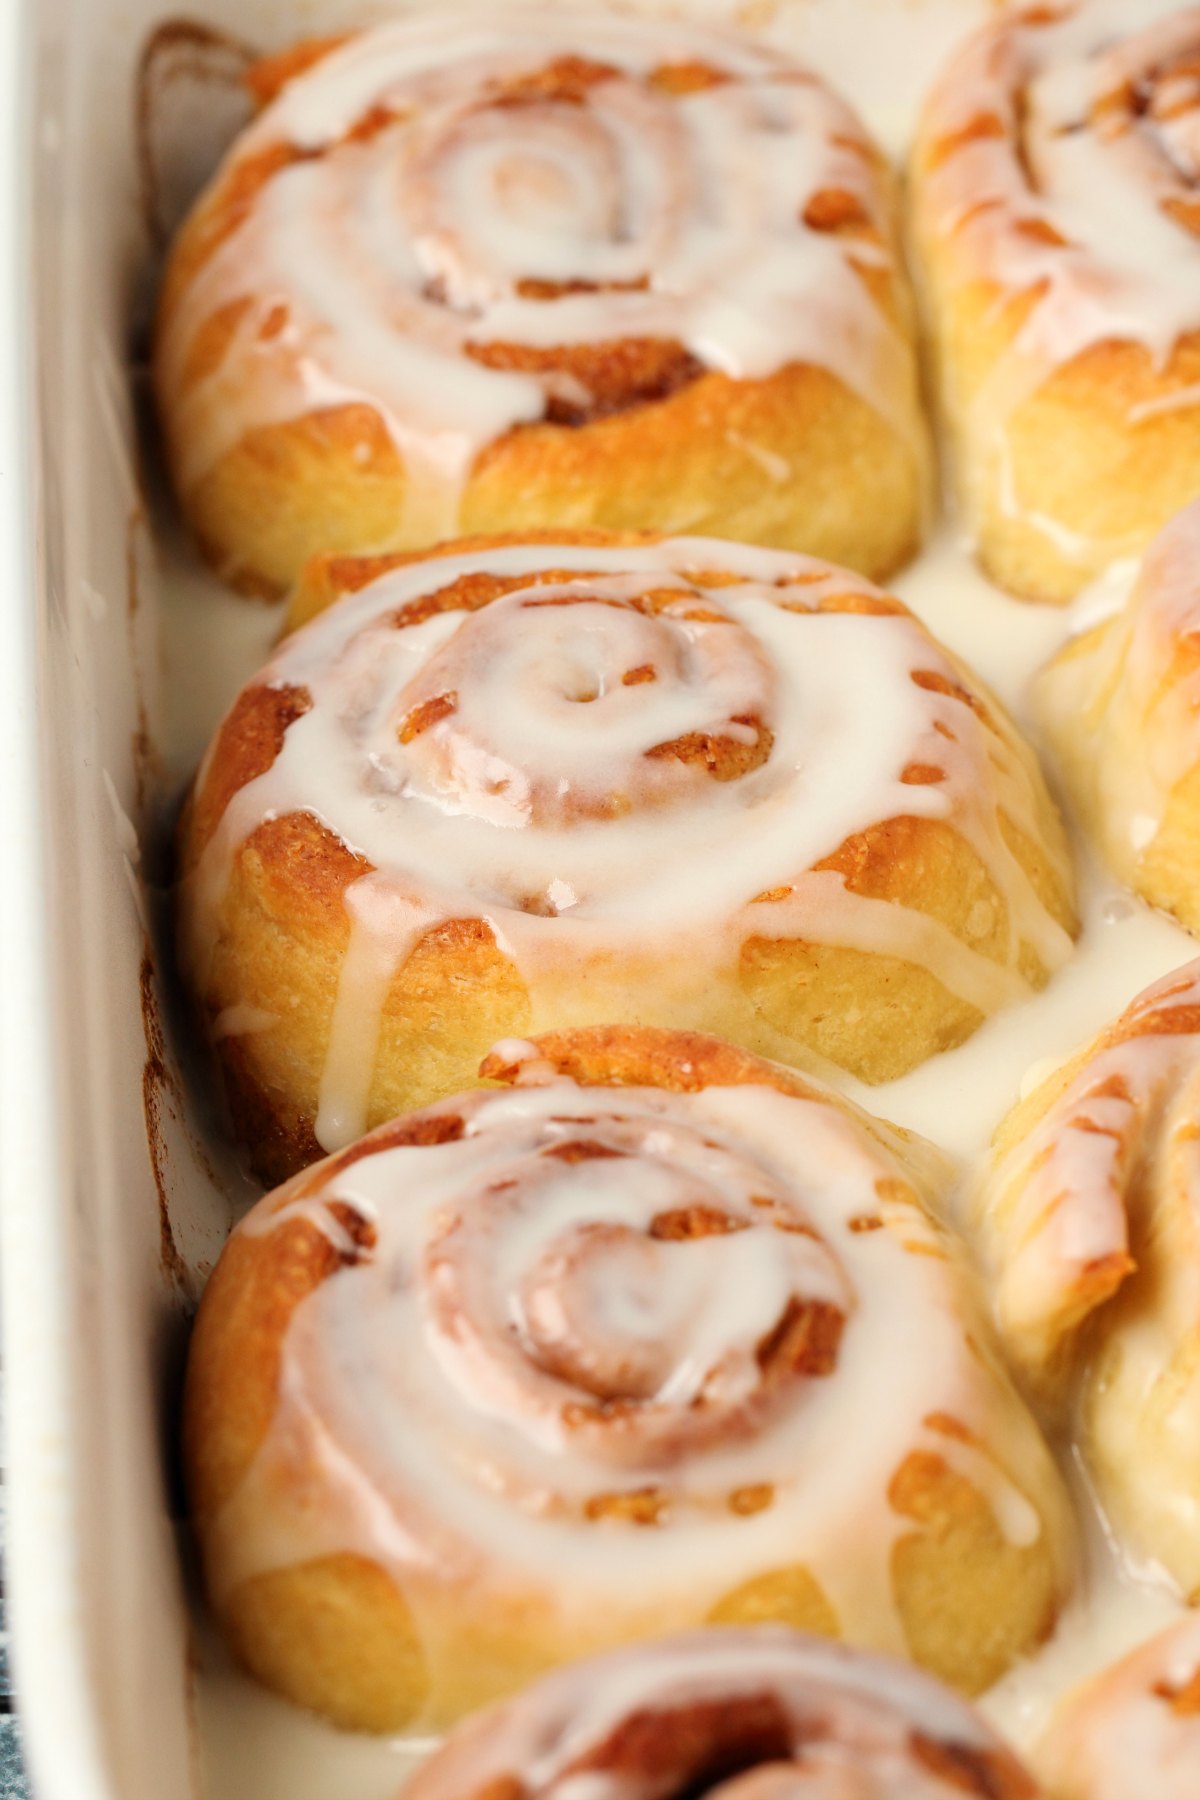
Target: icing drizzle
pixel 631 759
pixel 838 1724
pixel 1090 1214
pixel 1123 703
pixel 606 1348
pixel 1063 152
pixel 1056 1206
pixel 441 186
pixel 1135 1728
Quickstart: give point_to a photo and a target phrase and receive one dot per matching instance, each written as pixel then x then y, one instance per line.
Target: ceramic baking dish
pixel 115 659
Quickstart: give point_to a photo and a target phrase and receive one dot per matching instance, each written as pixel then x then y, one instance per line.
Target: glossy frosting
pixel 545 762
pixel 1090 1226
pixel 1122 704
pixel 1134 1729
pixel 1067 171
pixel 794 1715
pixel 616 1353
pixel 687 185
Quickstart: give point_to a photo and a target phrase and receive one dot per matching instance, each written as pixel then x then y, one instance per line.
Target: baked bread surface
pixel 660 1335
pixel 468 274
pixel 559 780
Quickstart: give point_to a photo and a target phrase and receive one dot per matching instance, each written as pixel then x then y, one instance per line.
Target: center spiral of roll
pixel 1132 101
pixel 604 1347
pixel 631 1284
pixel 584 172
pixel 584 704
pixel 1146 105
pixel 756 1714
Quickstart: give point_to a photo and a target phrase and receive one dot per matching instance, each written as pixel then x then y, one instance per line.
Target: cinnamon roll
pixel 523 784
pixel 660 1334
pixel 1121 705
pixel 726 1713
pixel 469 272
pixel 1057 214
pixel 1090 1227
pixel 1134 1730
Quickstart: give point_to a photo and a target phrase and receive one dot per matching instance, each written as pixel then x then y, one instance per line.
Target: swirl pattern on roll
pixel 587 1361
pixel 1133 1729
pixel 468 225
pixel 731 1714
pixel 633 762
pixel 1090 1226
pixel 1058 203
pixel 1121 703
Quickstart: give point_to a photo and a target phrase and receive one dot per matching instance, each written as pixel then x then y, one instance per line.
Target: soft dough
pixel 659 1334
pixel 1089 1223
pixel 1056 205
pixel 510 268
pixel 527 783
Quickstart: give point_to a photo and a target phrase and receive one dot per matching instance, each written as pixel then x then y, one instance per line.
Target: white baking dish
pixel 114 1204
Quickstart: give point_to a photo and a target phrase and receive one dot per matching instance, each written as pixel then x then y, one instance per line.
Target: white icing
pixel 1124 705
pixel 1121 1735
pixel 851 1720
pixel 450 1383
pixel 1062 1191
pixel 395 253
pixel 537 801
pixel 258 1747
pixel 1101 1198
pixel 1069 201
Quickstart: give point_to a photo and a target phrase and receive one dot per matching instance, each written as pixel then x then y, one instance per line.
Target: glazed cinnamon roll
pixel 726 1713
pixel 1121 704
pixel 1090 1227
pixel 1057 213
pixel 522 784
pixel 1133 1730
pixel 470 272
pixel 662 1334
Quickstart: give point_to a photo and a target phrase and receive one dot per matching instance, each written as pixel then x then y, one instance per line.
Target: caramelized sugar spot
pixel 804 1342
pixel 698 1221
pixel 643 1506
pixel 439 706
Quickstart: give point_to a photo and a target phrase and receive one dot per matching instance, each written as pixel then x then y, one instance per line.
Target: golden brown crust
pixel 703 1713
pixel 1074 444
pixel 972 1602
pixel 682 1062
pixel 635 430
pixel 334 482
pixel 267 76
pixel 967 1599
pixel 281 929
pixel 329 576
pixel 362 1664
pixel 1087 1221
pixel 1117 704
